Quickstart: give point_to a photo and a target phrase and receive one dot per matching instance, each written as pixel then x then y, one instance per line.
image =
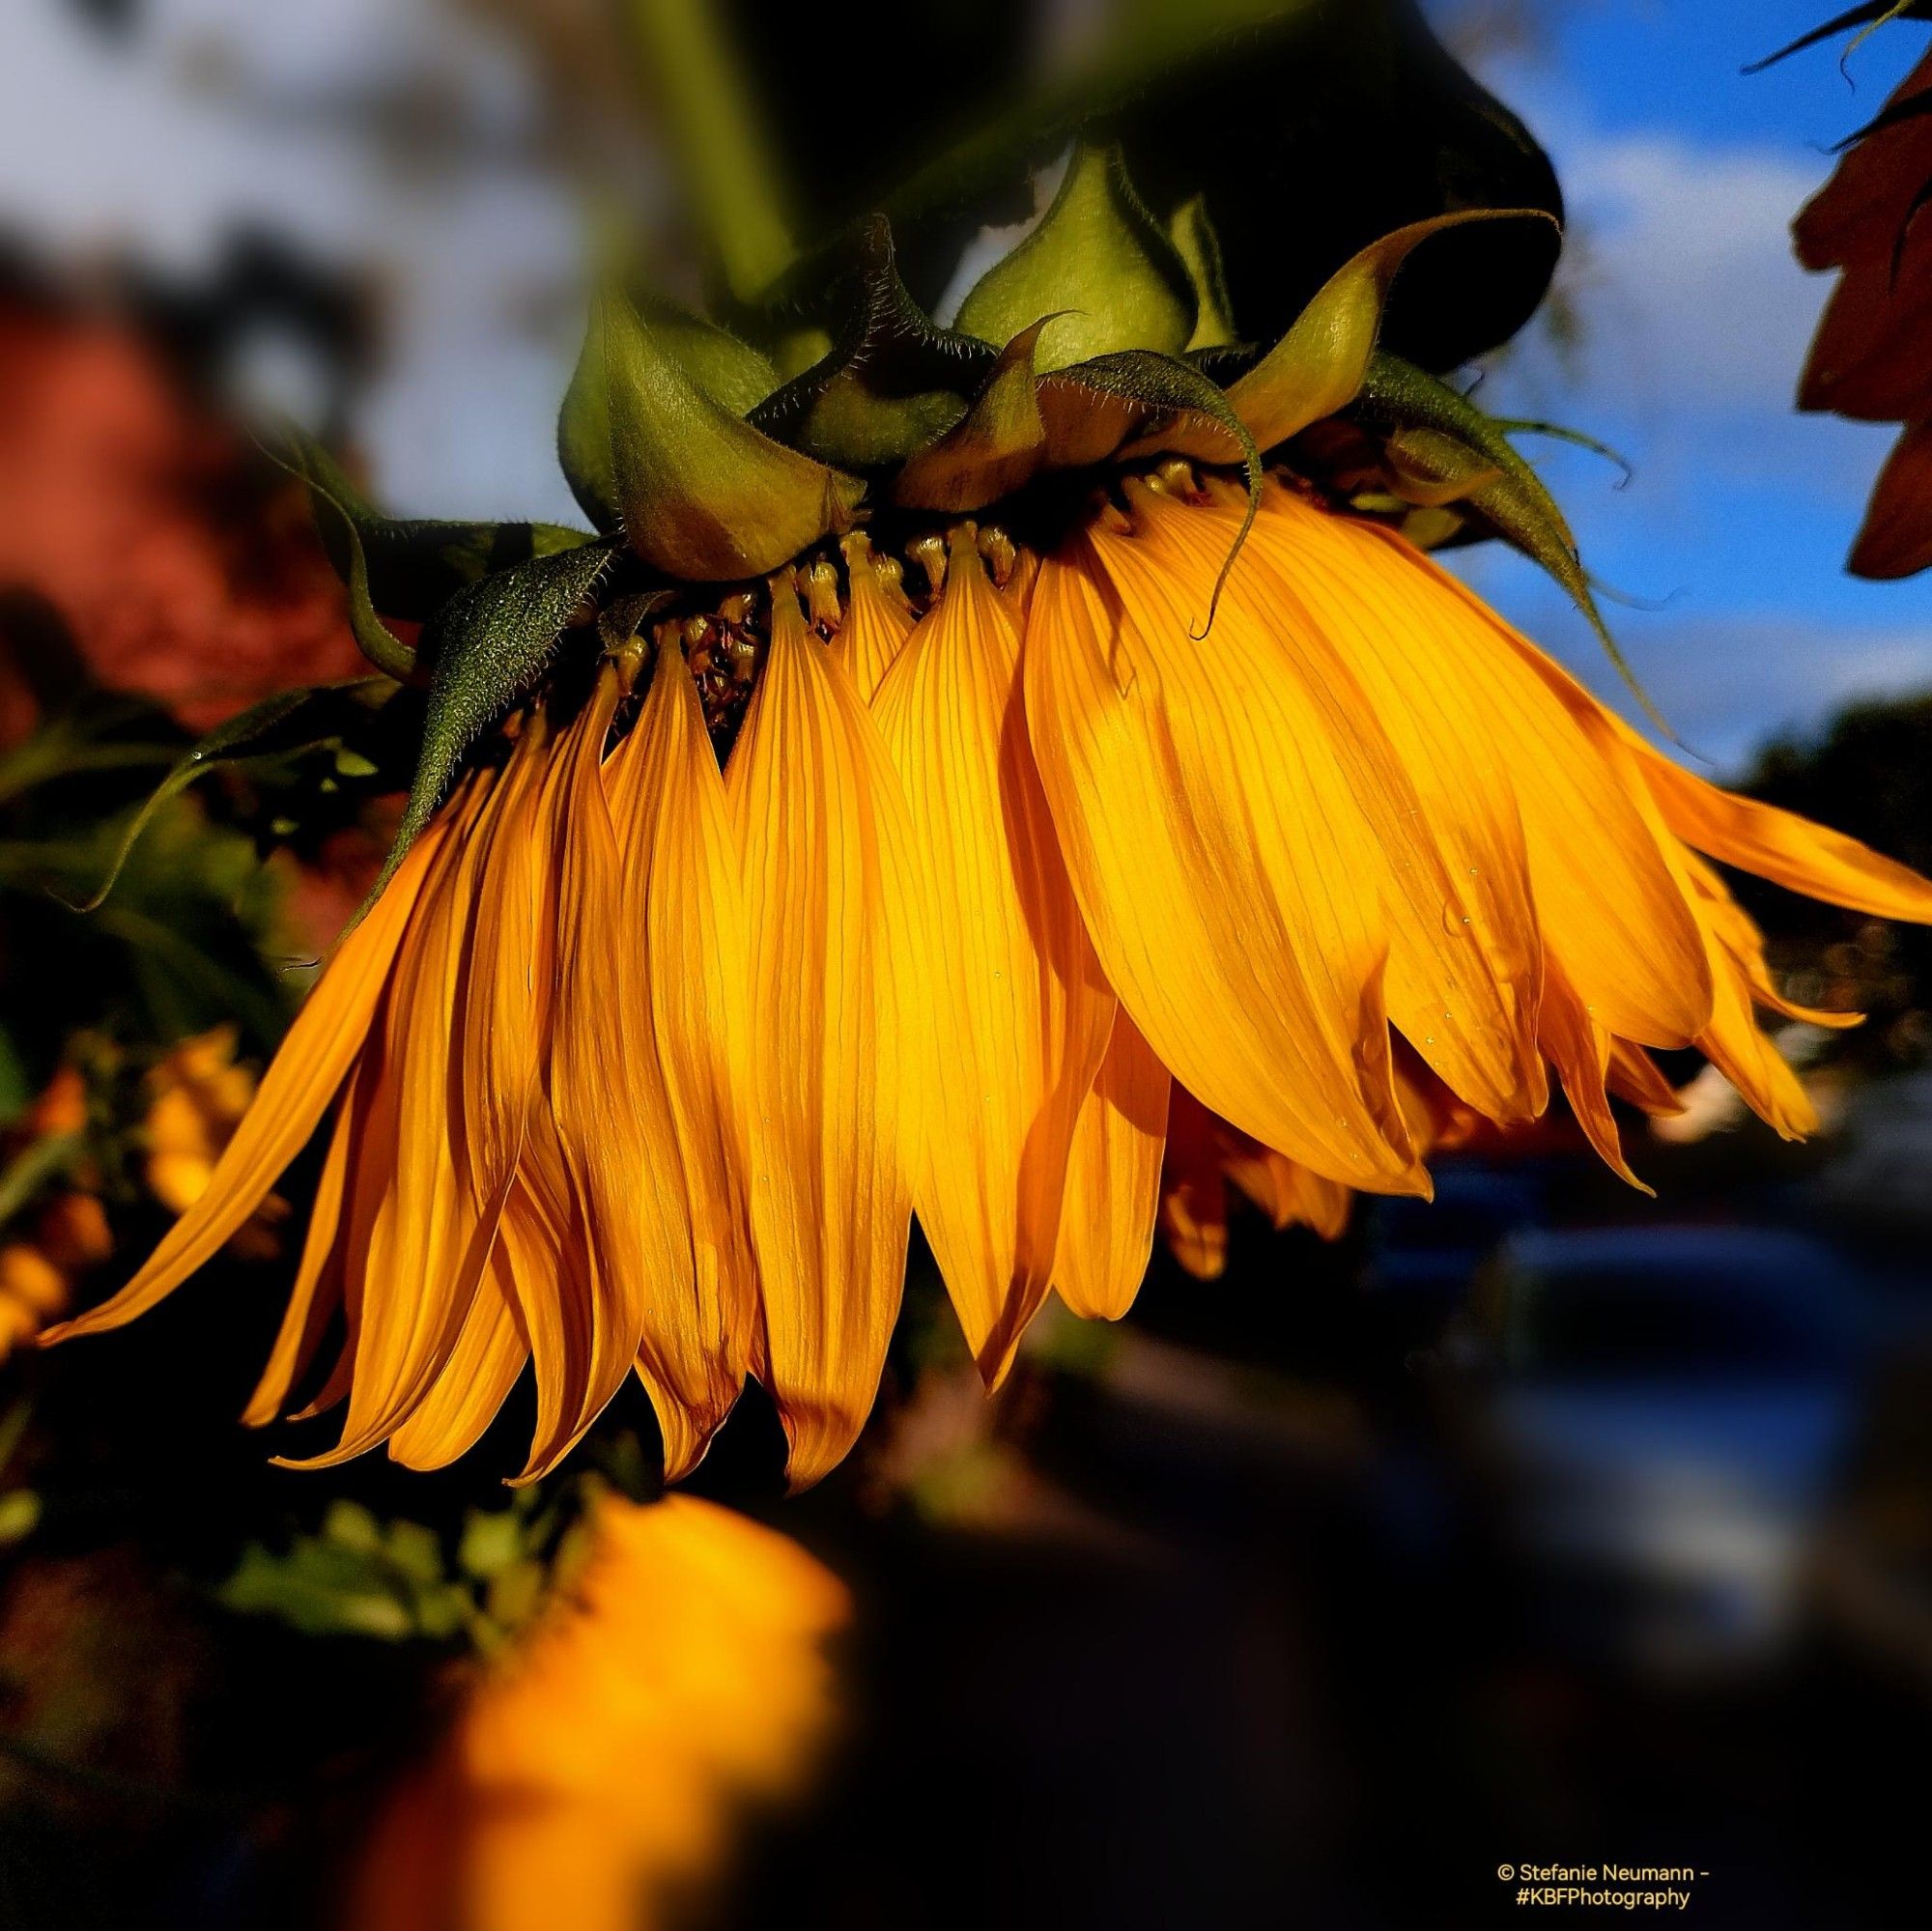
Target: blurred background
pixel 1546 1525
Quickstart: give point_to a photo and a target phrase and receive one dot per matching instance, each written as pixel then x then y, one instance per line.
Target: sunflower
pixel 641 1063
pixel 955 769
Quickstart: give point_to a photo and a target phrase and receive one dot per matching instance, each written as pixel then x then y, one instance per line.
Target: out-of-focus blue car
pixel 1665 1411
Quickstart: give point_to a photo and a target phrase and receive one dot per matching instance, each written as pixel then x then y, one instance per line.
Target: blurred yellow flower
pixel 638 1063
pixel 196 1097
pixel 595 1768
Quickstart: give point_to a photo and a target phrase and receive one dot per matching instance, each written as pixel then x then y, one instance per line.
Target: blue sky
pixel 1682 176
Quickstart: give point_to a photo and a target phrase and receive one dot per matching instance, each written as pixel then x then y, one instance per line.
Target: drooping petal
pixel 483 1367
pixel 1287 1192
pixel 296 1090
pixel 683 904
pixel 877 618
pixel 837 1052
pixel 317 1288
pixel 426 1246
pixel 1579 1049
pixel 1465 955
pixel 1613 907
pixel 1028 1013
pixel 1224 872
pixel 619 1135
pixel 1113 1179
pixel 1782 847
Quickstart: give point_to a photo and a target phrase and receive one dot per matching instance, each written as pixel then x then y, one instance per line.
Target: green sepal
pixel 1398 397
pixel 994 450
pixel 1199 248
pixel 894 382
pixel 404 566
pixel 733 375
pixel 704 497
pixel 1317 368
pixel 285 723
pixel 1136 386
pixel 1431 469
pixel 489 645
pixel 1101 259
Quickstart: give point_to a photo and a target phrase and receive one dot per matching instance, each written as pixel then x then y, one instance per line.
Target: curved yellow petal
pixel 683 904
pixel 1612 906
pixel 1465 959
pixel 490 1353
pixel 1113 1179
pixel 426 1244
pixel 619 1134
pixel 1226 874
pixel 1287 1192
pixel 838 1048
pixel 1579 1049
pixel 1027 1011
pixel 317 1288
pixel 296 1090
pixel 1782 847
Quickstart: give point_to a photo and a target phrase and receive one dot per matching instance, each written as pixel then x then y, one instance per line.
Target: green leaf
pixel 1199 248
pixel 1317 368
pixel 1433 470
pixel 288 722
pixel 995 449
pixel 705 496
pixel 731 373
pixel 491 645
pixel 404 566
pixel 1396 397
pixel 1100 261
pixel 894 382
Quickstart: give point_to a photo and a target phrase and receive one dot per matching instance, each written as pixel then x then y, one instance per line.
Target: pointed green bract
pixel 997 447
pixel 1400 398
pixel 490 644
pixel 1317 368
pixel 733 375
pixel 703 495
pixel 892 383
pixel 1101 258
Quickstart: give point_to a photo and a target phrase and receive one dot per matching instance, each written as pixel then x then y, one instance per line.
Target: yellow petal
pixel 838 1123
pixel 1113 1179
pixel 619 1135
pixel 683 905
pixel 1226 874
pixel 1611 906
pixel 482 1368
pixel 318 1289
pixel 1027 1011
pixel 877 620
pixel 1287 1192
pixel 1465 959
pixel 1579 1049
pixel 304 1076
pixel 1779 845
pixel 426 1246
